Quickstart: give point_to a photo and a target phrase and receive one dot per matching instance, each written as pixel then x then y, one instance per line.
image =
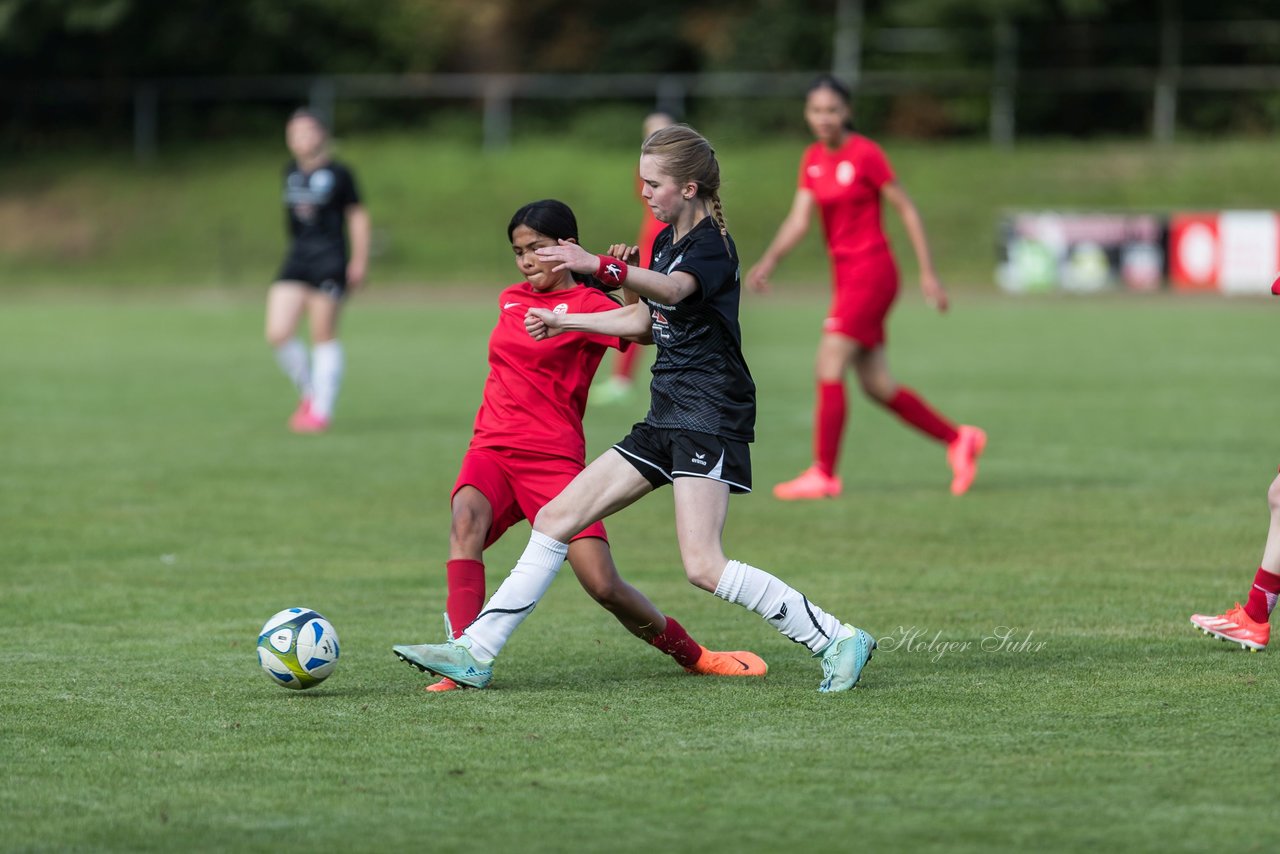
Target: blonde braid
pixel 717 213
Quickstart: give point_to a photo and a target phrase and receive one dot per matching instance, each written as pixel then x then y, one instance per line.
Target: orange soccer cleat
pixel 811 484
pixel 712 663
pixel 445 684
pixel 962 456
pixel 1235 626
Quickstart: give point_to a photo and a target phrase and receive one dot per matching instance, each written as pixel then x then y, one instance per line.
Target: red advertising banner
pixel 1193 252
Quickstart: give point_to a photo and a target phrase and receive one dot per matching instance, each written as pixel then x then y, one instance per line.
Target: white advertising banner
pixel 1248 251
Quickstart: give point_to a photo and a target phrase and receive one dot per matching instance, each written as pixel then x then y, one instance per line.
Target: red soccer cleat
pixel 303 410
pixel 811 484
pixel 445 684
pixel 962 456
pixel 306 421
pixel 1235 626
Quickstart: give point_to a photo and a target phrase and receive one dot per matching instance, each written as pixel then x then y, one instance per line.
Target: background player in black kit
pixel 323 208
pixel 695 437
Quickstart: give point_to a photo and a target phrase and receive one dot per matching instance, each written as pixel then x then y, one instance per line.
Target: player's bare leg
pixel 1249 625
pixel 830 413
pixel 701 508
pixel 471 518
pixel 605 486
pixel 286 302
pixel 965 443
pixel 592 562
pixel 327 359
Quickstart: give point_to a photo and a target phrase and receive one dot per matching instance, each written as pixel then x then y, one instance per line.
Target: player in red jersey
pixel 845 176
pixel 323 208
pixel 617 389
pixel 527 444
pixel 1250 624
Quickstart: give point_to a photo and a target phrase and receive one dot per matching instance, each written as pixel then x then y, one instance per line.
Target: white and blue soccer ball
pixel 298 648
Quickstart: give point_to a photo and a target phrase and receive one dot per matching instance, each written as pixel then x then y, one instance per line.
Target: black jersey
pixel 700 380
pixel 316 205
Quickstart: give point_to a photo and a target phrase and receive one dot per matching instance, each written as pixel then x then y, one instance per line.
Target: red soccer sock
pixel 1262 596
pixel 675 642
pixel 911 408
pixel 624 365
pixel 828 427
pixel 466 593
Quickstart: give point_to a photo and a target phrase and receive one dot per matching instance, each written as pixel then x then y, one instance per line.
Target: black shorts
pixel 327 279
pixel 661 455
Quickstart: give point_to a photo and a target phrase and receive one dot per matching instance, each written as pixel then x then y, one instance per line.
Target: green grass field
pixel 155 512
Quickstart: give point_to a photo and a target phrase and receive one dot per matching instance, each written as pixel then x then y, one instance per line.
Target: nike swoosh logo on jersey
pixel 509 305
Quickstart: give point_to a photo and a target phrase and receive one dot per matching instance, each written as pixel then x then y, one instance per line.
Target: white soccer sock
pixel 516 597
pixel 328 362
pixel 784 607
pixel 291 356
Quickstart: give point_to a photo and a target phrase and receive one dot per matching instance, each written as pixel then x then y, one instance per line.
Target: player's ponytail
pixel 717 213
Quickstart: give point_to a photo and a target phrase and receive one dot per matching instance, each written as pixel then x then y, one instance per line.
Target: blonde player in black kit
pixel 695 437
pixel 323 207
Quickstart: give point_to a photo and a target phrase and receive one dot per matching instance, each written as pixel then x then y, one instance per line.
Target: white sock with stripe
pixel 328 362
pixel 784 607
pixel 291 356
pixel 517 596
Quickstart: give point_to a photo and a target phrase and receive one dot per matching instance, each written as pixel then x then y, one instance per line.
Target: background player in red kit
pixel 845 176
pixel 323 206
pixel 528 444
pixel 1250 624
pixel 618 387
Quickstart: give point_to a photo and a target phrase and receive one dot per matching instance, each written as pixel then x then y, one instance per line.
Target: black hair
pixel 551 217
pixel 830 81
pixel 555 219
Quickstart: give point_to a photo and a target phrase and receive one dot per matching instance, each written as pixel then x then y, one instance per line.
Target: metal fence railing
pixel 495 94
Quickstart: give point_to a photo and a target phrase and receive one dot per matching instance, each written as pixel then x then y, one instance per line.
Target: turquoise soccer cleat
pixel 452 660
pixel 843 660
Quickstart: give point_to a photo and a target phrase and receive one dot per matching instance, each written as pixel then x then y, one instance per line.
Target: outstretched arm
pixel 632 322
pixel 934 293
pixel 658 287
pixel 789 235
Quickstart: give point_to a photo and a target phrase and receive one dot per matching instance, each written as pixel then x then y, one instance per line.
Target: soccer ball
pixel 298 648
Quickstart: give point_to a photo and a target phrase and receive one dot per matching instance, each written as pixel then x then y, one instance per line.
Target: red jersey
pixel 846 185
pixel 537 390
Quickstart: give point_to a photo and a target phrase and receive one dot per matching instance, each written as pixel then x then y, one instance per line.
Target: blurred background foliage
pixel 116 42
